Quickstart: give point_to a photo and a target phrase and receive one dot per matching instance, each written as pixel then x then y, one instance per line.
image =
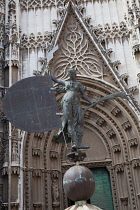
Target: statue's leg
pixel 64 122
pixel 71 125
pixel 80 129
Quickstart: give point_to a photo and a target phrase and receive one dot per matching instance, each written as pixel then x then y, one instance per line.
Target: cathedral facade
pixel 100 39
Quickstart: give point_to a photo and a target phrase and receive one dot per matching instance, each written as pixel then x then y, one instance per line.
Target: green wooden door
pixel 102 196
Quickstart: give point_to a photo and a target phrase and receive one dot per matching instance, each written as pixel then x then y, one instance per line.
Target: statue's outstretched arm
pixel 57 81
pixel 108 97
pixel 85 96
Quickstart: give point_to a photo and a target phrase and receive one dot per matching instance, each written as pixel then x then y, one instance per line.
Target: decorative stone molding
pixel 13 63
pixel 5 171
pixel 111 133
pixel 55 22
pixel 138 195
pixel 131 186
pixel 54 173
pixel 81 8
pixel 53 154
pixel 61 11
pixel 100 121
pixel 111 32
pixel 87 19
pixel 133 12
pixel 114 187
pixel 38 41
pixel 36 152
pixel 136 162
pixel 133 90
pixel 55 193
pixel 124 76
pixel 14 170
pixel 126 125
pixel 119 168
pixel 34 4
pixel 109 51
pixel 37 205
pixel 91 164
pixel 133 142
pixel 37 172
pixel 45 149
pixel 124 200
pixel 115 111
pixel 39 135
pixel 13 204
pixel 138 76
pixel 136 48
pixel 87 114
pixel 116 64
pixel 62 152
pixel 116 148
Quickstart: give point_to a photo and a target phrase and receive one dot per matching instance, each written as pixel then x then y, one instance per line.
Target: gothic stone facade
pixel 101 40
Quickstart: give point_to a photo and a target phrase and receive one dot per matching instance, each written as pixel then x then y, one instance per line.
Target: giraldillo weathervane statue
pixel 73 119
pixel 73 115
pixel 37 111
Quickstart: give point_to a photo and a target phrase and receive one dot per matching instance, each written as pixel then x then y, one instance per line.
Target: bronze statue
pixel 73 115
pixel 73 119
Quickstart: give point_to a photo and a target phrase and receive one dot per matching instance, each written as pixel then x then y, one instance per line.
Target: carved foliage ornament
pixel 111 31
pixel 31 4
pixel 76 51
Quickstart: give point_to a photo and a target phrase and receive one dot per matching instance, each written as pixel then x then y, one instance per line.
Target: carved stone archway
pixel 112 127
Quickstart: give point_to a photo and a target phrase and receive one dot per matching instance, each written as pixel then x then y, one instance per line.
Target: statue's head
pixel 72 72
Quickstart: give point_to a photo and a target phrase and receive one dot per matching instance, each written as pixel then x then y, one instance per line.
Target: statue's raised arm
pixel 61 82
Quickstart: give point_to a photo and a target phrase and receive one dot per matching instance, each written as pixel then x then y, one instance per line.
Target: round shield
pixel 30 105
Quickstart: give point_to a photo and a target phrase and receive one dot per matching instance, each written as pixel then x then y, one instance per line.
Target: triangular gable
pixel 79 48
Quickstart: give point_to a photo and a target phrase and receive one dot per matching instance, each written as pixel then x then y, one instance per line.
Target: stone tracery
pixel 76 52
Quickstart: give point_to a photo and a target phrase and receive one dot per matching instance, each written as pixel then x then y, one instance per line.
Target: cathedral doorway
pixel 102 196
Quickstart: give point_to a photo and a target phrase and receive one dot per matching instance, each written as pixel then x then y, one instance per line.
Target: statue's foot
pixel 81 146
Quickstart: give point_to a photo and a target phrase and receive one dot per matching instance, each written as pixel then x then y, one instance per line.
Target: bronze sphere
pixel 78 183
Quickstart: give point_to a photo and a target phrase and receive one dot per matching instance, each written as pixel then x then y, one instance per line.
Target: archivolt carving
pixel 133 142
pixel 124 200
pixel 131 185
pixel 106 119
pixel 113 182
